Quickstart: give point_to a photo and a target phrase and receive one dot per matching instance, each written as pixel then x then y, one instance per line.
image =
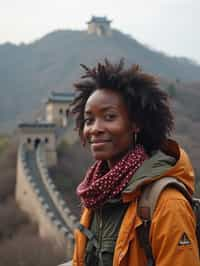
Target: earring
pixel 135 138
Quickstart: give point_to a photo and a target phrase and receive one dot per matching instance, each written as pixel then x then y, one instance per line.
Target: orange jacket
pixel 173 218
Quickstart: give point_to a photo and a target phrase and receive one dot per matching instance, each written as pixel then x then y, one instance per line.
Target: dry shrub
pixel 28 229
pixel 7 183
pixel 9 157
pixel 8 171
pixel 73 161
pixel 24 250
pixel 11 219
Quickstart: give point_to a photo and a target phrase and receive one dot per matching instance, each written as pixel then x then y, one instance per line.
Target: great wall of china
pixel 36 193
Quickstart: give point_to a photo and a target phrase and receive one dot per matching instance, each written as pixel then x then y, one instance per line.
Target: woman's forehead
pixel 105 99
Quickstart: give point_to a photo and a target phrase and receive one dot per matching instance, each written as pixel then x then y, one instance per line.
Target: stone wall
pixel 32 201
pixel 61 205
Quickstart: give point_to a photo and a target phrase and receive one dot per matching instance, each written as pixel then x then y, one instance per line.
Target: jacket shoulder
pixel 171 193
pixel 172 221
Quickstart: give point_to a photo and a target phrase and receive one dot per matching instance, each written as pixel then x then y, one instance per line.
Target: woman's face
pixel 107 127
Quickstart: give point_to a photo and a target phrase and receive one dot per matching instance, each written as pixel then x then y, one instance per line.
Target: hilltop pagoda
pixel 99 26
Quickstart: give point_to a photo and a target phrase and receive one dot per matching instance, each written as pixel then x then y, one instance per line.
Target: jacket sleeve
pixel 172 234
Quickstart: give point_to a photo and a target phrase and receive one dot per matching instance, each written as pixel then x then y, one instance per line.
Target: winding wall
pixel 37 195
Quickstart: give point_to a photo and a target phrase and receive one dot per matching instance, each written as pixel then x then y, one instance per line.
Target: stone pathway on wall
pixel 32 164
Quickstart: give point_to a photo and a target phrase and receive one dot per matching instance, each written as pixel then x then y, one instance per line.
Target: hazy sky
pixel 171 26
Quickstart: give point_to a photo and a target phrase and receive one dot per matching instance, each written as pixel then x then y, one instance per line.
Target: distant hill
pixel 29 72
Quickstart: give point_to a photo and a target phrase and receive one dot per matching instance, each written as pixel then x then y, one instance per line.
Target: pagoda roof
pixel 99 20
pixel 60 97
pixel 36 124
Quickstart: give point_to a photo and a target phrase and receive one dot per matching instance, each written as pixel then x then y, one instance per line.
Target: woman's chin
pixel 100 156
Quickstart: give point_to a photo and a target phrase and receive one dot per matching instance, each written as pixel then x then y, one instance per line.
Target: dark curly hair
pixel 146 103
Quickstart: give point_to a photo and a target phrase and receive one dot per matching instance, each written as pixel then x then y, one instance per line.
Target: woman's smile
pixel 96 141
pixel 99 144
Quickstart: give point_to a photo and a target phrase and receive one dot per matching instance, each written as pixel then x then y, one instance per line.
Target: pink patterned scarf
pixel 101 184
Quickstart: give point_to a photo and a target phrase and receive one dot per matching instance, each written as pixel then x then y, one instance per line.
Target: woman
pixel 125 119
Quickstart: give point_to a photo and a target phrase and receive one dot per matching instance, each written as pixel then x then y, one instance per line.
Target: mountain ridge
pixel 28 72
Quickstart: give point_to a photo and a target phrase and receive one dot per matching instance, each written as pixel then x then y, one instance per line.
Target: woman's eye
pixel 110 117
pixel 88 121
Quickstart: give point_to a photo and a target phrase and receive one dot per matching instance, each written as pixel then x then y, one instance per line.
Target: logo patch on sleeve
pixel 184 240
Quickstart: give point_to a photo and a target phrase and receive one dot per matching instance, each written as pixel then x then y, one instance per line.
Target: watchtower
pixel 99 26
pixel 32 134
pixel 57 108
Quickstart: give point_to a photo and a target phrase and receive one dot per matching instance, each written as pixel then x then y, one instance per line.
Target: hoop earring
pixel 135 138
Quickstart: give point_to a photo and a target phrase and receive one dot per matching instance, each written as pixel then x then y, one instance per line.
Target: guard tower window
pixel 36 143
pixel 67 112
pixel 28 140
pixel 46 140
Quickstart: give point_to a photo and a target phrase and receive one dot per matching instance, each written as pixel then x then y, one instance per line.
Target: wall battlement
pixel 37 195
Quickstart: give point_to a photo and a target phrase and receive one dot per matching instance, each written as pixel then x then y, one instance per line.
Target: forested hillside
pixel 29 72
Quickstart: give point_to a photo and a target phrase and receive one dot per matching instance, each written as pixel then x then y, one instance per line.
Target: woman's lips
pixel 99 143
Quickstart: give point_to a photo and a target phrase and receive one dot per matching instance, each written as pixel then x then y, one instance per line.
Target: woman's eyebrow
pixel 103 109
pixel 87 112
pixel 108 107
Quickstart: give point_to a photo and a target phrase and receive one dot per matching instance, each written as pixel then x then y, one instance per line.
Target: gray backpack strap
pixel 151 193
pixel 146 206
pixel 93 240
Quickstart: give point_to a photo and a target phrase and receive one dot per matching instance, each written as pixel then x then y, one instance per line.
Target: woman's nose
pixel 97 127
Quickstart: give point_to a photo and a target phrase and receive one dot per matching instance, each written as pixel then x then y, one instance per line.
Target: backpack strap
pixel 146 206
pixel 93 240
pixel 196 209
pixel 151 193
